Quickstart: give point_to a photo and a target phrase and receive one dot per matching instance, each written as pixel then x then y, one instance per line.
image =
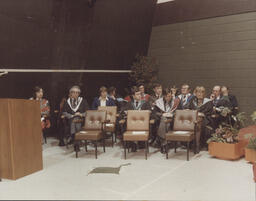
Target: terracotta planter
pixel 226 151
pixel 254 171
pixel 242 135
pixel 250 155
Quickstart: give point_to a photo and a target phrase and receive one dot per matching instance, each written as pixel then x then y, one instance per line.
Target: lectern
pixel 20 138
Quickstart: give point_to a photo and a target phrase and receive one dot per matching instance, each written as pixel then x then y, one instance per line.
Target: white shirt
pixel 103 102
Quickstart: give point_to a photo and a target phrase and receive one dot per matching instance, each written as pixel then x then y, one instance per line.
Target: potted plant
pixel 144 70
pixel 224 143
pixel 247 132
pixel 250 150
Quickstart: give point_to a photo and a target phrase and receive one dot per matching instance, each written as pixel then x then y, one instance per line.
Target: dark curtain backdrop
pixel 67 34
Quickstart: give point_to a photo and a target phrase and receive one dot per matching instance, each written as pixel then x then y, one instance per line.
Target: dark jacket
pixel 83 107
pixel 96 103
pixel 131 106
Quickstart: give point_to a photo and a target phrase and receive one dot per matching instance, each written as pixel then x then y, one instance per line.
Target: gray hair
pixel 75 88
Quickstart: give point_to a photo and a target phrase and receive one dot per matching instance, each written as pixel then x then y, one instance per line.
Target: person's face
pixel 200 94
pixel 114 93
pixel 168 97
pixel 158 91
pixel 103 94
pixel 185 89
pixel 174 90
pixel 40 93
pixel 74 94
pixel 137 96
pixel 224 91
pixel 216 91
pixel 142 89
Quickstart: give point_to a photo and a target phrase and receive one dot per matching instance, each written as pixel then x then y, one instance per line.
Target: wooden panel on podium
pixel 20 138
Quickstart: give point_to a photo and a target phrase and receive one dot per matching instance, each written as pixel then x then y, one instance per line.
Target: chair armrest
pixel 168 121
pixel 152 121
pixel 106 121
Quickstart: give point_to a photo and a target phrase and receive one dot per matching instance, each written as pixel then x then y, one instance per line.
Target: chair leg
pixel 187 151
pixel 125 150
pixel 166 150
pixel 195 145
pixel 115 136
pixel 175 147
pixel 86 145
pixel 112 137
pixel 147 147
pixel 103 141
pixel 146 150
pixel 76 149
pixel 96 154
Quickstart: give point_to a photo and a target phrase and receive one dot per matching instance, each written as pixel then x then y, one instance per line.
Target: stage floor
pixel 66 177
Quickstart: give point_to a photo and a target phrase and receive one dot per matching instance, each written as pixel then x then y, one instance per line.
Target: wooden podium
pixel 20 138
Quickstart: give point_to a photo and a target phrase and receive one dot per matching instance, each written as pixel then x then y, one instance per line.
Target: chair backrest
pixel 184 120
pixel 138 120
pixel 111 112
pixel 94 119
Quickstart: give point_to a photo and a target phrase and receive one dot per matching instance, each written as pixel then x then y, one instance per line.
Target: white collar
pixel 79 100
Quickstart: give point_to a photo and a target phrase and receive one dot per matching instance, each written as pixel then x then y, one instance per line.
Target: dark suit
pixel 234 103
pixel 96 103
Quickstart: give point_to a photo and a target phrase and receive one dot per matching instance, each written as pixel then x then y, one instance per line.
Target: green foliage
pixel 253 116
pixel 226 133
pixel 240 120
pixel 252 143
pixel 144 71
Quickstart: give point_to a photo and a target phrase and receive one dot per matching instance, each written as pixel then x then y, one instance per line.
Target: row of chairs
pixel 102 121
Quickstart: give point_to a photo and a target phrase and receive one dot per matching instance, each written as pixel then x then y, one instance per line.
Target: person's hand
pixel 167 114
pixel 78 114
pixel 212 96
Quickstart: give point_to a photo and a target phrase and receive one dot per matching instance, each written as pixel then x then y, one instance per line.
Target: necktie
pixel 74 103
pixel 136 104
pixel 184 99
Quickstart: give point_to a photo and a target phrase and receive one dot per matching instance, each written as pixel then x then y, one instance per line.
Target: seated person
pixel 225 91
pixel 158 90
pixel 144 96
pixel 204 106
pixel 103 100
pixel 185 96
pixel 74 110
pixel 174 90
pixel 119 101
pixel 62 127
pixel 44 106
pixel 164 110
pixel 220 102
pixel 136 104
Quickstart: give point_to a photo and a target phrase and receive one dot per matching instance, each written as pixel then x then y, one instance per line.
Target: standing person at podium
pixel 74 110
pixel 45 109
pixel 44 106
